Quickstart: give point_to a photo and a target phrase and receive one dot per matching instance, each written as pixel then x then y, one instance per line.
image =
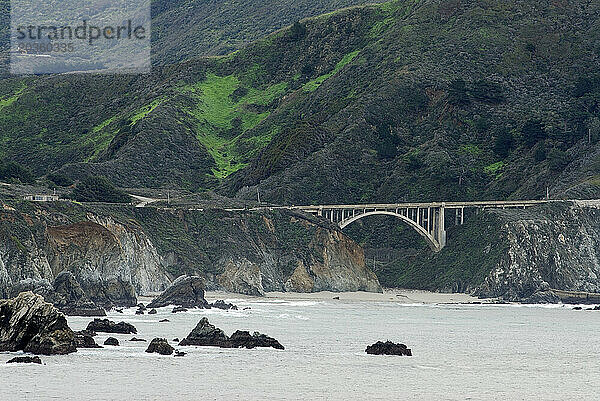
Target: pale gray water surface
pixel 461 352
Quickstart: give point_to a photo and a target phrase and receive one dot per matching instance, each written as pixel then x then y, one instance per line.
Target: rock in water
pixel 160 346
pixel 206 334
pixel 179 309
pixel 220 304
pixel 243 339
pixel 66 294
pixel 388 348
pixel 152 311
pixel 111 341
pixel 85 340
pixel 70 298
pixel 108 326
pixel 30 324
pixel 186 291
pixel 134 339
pixel 26 359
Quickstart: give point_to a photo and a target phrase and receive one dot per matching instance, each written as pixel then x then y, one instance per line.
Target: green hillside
pixel 407 100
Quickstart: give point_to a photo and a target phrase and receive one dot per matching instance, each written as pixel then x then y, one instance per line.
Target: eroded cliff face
pixel 552 247
pixel 112 262
pixel 329 261
pixel 119 252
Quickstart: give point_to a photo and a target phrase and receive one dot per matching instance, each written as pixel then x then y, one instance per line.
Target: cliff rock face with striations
pixel 513 254
pixel 111 262
pixel 555 247
pixel 117 252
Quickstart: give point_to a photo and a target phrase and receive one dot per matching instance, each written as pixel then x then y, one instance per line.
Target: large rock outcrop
pixel 66 294
pixel 30 324
pixel 186 291
pixel 108 326
pixel 111 262
pixel 206 334
pixel 388 348
pixel 160 346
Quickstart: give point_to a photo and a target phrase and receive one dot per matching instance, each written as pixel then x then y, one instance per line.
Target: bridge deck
pixel 447 205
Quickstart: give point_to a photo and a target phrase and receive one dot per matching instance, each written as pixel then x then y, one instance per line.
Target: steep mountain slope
pixel 414 100
pixel 408 100
pixel 185 29
pixel 448 100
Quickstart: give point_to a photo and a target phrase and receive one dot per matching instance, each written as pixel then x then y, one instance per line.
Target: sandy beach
pixel 389 295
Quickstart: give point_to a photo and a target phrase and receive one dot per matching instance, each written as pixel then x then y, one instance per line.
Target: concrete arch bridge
pixel 428 219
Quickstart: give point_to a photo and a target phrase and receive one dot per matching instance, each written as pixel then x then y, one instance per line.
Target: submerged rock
pixel 243 339
pixel 108 326
pixel 26 359
pixel 111 341
pixel 30 324
pixel 137 339
pixel 220 304
pixel 152 311
pixel 85 340
pixel 164 320
pixel 186 291
pixel 179 353
pixel 388 348
pixel 206 334
pixel 160 346
pixel 179 309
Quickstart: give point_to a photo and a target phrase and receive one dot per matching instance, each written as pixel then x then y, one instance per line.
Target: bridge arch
pixel 431 241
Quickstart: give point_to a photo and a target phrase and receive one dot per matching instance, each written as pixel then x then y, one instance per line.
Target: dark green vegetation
pixel 98 189
pixel 401 258
pixel 14 172
pixel 185 29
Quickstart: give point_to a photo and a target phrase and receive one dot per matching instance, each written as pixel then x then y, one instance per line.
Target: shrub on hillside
pixel 533 132
pixel 503 143
pixel 557 159
pixel 60 179
pixel 297 31
pixel 457 93
pixel 13 171
pixel 98 189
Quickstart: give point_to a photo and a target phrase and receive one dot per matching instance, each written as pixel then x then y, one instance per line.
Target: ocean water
pixel 461 352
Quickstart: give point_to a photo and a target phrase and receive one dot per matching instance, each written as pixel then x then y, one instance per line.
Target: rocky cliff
pixel 517 255
pixel 554 247
pixel 118 252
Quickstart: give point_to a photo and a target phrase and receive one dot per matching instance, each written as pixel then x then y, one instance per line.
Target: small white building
pixel 41 198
